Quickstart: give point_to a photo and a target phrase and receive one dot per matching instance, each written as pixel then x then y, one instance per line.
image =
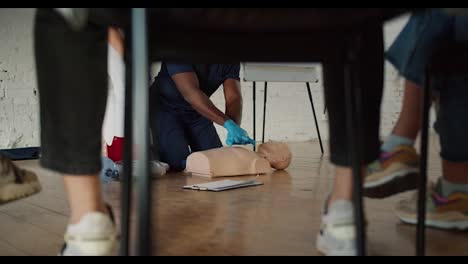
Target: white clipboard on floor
pixel 218 186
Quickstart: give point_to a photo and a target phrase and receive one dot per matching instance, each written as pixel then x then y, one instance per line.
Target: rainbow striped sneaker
pixel 442 212
pixel 395 172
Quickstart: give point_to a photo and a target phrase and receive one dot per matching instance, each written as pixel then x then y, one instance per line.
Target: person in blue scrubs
pixel 182 114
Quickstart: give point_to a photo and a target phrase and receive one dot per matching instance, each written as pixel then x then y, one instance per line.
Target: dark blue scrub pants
pixel 180 131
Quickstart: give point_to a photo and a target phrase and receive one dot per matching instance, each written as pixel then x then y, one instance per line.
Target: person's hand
pixel 236 135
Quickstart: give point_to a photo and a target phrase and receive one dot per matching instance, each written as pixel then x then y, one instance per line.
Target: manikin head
pixel 277 153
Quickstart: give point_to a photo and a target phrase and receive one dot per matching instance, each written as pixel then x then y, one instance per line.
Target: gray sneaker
pixel 337 233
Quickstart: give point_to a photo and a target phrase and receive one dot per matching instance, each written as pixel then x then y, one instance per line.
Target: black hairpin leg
pixel 420 241
pixel 254 93
pixel 126 182
pixel 315 116
pixel 353 106
pixel 141 128
pixel 264 110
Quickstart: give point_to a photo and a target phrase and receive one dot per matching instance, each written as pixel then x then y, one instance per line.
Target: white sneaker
pixel 158 168
pixel 94 235
pixel 337 235
pixel 16 183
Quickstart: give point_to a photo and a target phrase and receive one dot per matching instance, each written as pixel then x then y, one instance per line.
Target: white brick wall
pixel 289 116
pixel 19 124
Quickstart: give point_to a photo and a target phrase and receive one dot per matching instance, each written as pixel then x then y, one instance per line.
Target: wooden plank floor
pixel 281 217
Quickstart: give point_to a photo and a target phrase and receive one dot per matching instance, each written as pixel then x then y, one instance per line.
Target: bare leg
pixel 455 172
pixel 343 186
pixel 84 195
pixel 409 121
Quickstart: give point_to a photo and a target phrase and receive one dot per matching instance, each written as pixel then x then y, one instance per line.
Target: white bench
pixel 280 72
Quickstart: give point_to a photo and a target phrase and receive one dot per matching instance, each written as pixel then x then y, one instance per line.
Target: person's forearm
pixel 203 105
pixel 234 110
pixel 116 40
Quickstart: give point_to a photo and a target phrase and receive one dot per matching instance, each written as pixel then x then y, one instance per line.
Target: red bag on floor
pixel 115 151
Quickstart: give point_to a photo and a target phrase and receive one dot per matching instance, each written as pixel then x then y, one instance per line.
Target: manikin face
pixel 277 153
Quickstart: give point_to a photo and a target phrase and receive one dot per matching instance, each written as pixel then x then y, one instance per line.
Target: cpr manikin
pixel 237 161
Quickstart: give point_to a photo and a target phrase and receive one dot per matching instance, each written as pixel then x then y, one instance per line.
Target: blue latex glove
pixel 236 135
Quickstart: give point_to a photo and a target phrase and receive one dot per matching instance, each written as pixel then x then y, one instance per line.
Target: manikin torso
pixel 236 161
